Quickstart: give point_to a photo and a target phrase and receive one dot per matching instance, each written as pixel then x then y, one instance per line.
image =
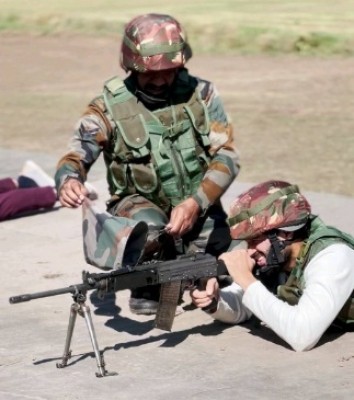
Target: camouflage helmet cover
pixel 154 42
pixel 266 206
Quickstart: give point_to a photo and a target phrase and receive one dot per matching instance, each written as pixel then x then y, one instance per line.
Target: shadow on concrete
pixel 106 306
pixel 35 212
pixel 170 339
pixel 119 323
pixel 256 329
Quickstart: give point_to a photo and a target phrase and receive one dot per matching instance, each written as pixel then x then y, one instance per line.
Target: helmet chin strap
pixel 151 100
pixel 275 257
pixel 270 275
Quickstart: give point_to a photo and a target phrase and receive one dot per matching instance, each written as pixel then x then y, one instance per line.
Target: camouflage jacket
pixel 95 129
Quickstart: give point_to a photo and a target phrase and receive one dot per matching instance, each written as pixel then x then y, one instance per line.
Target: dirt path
pixel 293 117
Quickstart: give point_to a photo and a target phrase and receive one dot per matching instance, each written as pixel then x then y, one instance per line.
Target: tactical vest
pixel 160 154
pixel 321 236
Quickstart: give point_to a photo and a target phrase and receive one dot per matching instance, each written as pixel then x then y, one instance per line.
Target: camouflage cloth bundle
pixel 111 242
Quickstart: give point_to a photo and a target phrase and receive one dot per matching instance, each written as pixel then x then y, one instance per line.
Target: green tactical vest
pixel 321 236
pixel 160 154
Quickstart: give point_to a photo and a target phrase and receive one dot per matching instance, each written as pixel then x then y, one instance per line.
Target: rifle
pixel 188 269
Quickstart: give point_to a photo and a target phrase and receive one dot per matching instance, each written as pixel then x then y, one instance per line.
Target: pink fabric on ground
pixel 6 185
pixel 17 201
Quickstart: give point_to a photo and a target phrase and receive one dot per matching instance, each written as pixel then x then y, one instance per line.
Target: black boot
pixel 144 300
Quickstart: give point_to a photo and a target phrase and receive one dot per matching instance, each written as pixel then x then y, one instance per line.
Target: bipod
pixel 79 307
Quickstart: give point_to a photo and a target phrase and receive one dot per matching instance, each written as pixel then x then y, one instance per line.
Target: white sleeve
pixel 329 281
pixel 230 308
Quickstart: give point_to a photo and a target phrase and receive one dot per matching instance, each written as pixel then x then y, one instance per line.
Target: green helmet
pixel 267 206
pixel 154 42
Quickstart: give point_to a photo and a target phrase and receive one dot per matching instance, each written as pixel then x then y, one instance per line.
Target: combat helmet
pixel 154 42
pixel 268 206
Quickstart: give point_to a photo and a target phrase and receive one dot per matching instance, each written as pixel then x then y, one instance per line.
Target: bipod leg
pixel 74 309
pixel 99 357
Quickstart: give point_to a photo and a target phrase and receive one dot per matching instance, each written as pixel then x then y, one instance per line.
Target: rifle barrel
pixel 48 293
pixel 187 268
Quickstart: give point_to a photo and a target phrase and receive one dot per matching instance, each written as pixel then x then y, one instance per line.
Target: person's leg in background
pixel 16 202
pixel 8 184
pixel 33 190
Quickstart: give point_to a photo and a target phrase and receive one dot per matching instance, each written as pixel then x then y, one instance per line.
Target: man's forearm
pixel 88 140
pixel 69 166
pixel 221 173
pixel 230 308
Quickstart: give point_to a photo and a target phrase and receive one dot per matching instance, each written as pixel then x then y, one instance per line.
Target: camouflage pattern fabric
pixel 95 134
pixel 210 233
pixel 154 42
pixel 111 242
pixel 266 206
pixel 137 208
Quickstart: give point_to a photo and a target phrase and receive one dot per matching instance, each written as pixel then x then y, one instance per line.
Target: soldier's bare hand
pixel 72 193
pixel 203 298
pixel 183 217
pixel 240 266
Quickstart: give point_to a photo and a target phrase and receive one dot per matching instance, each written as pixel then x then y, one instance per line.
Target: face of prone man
pixel 260 247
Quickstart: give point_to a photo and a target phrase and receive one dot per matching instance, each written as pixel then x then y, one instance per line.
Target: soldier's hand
pixel 183 217
pixel 72 193
pixel 240 266
pixel 203 298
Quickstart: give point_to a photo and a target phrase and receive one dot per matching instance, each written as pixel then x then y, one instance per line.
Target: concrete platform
pixel 199 359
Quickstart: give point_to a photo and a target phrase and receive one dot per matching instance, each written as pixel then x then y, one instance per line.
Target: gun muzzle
pixel 19 299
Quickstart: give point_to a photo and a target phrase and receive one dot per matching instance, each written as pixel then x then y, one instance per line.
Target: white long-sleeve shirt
pixel 329 281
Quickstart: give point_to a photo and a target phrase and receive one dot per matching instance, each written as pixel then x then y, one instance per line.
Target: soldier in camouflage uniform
pixel 167 144
pixel 313 263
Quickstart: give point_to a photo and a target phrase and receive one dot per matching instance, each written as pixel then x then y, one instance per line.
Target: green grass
pixel 224 26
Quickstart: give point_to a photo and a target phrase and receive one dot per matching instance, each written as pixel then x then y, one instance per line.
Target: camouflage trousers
pixel 210 234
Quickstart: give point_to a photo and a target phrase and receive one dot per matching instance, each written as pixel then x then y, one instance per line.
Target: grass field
pixel 224 26
pixel 293 115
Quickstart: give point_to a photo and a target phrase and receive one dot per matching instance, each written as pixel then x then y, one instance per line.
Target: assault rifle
pixel 187 269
